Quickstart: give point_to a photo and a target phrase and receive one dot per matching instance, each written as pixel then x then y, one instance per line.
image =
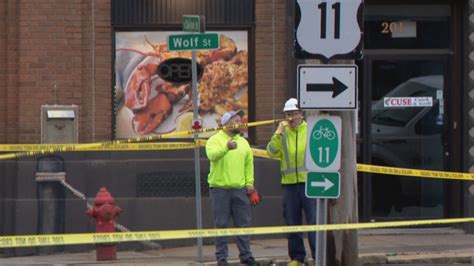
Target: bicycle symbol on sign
pixel 324 132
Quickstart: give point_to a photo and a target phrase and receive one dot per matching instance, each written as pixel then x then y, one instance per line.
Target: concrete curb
pixel 450 257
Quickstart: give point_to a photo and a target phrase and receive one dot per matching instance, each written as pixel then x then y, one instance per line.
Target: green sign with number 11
pixel 323 139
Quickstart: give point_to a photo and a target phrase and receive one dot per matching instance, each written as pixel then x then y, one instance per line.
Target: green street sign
pixel 323 152
pixel 191 23
pixel 323 185
pixel 191 42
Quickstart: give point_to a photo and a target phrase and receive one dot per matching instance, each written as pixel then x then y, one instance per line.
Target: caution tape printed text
pixel 414 172
pixel 95 238
pixel 110 147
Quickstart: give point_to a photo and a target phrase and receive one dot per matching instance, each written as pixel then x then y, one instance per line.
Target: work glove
pixel 253 195
pixel 281 127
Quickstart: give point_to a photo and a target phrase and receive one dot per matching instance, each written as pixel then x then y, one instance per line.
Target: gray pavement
pixel 440 246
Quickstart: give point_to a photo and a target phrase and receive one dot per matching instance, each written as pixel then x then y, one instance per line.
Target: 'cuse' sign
pixel 408 102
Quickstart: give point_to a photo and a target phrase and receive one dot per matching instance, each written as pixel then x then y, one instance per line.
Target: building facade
pixel 88 52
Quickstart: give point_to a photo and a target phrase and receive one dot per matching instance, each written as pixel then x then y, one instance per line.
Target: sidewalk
pixel 376 247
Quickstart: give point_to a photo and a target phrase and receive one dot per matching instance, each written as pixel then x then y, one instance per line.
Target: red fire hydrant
pixel 105 213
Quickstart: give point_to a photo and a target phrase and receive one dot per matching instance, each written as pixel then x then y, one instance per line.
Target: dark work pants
pixel 227 203
pixel 295 203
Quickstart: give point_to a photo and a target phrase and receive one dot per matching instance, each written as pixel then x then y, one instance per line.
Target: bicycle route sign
pixel 323 185
pixel 323 140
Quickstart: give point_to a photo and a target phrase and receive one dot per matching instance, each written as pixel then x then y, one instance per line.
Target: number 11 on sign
pixel 337 19
pixel 323 156
pixel 323 140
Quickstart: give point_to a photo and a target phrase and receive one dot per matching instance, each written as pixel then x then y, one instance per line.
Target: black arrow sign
pixel 337 87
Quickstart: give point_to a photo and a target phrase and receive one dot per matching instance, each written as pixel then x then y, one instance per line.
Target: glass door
pixel 405 124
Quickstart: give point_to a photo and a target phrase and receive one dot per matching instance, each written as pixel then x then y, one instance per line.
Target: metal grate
pixel 126 13
pixel 170 184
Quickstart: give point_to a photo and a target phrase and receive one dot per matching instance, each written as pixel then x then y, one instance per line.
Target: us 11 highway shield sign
pixel 328 29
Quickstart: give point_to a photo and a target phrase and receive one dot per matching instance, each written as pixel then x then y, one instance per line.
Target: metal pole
pixel 320 243
pixel 51 206
pixel 197 159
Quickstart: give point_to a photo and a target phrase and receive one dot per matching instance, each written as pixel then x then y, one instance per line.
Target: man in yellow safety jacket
pixel 231 182
pixel 288 143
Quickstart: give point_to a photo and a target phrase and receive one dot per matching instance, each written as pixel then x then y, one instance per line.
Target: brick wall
pixel 270 63
pixel 3 69
pixel 11 63
pixel 48 44
pixel 61 43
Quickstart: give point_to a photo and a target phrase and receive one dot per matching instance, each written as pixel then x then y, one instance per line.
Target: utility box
pixel 59 124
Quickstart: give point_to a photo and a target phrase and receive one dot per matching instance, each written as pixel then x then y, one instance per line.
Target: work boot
pixel 222 263
pixel 295 263
pixel 250 262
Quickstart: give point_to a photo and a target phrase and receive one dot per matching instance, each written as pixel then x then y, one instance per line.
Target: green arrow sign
pixel 190 42
pixel 323 185
pixel 323 139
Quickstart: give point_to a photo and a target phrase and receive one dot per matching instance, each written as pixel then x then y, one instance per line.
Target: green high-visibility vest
pixel 290 148
pixel 229 168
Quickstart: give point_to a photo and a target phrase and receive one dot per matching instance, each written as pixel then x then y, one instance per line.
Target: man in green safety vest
pixel 231 182
pixel 288 143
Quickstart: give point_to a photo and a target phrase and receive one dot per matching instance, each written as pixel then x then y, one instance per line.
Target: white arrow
pixel 327 184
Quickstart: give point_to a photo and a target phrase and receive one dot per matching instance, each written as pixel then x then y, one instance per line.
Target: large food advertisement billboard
pixel 145 104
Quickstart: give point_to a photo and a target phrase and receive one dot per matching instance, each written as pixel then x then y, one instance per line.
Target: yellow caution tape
pixel 98 146
pixel 387 170
pixel 261 153
pixel 121 145
pixel 95 238
pixel 111 147
pixel 414 172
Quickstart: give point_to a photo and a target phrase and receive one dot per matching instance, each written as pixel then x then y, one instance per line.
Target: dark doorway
pixel 406 105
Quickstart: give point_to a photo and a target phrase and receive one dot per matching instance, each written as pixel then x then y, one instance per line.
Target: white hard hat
pixel 291 105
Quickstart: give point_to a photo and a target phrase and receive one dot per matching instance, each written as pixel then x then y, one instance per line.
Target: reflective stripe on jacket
pixel 290 148
pixel 229 168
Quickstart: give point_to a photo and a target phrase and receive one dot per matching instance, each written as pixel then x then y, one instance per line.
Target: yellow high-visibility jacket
pixel 290 148
pixel 229 168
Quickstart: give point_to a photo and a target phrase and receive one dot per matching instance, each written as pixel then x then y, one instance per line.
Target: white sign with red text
pixel 408 102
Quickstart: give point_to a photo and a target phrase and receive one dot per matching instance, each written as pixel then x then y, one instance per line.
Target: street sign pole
pixel 198 40
pixel 192 23
pixel 320 242
pixel 197 159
